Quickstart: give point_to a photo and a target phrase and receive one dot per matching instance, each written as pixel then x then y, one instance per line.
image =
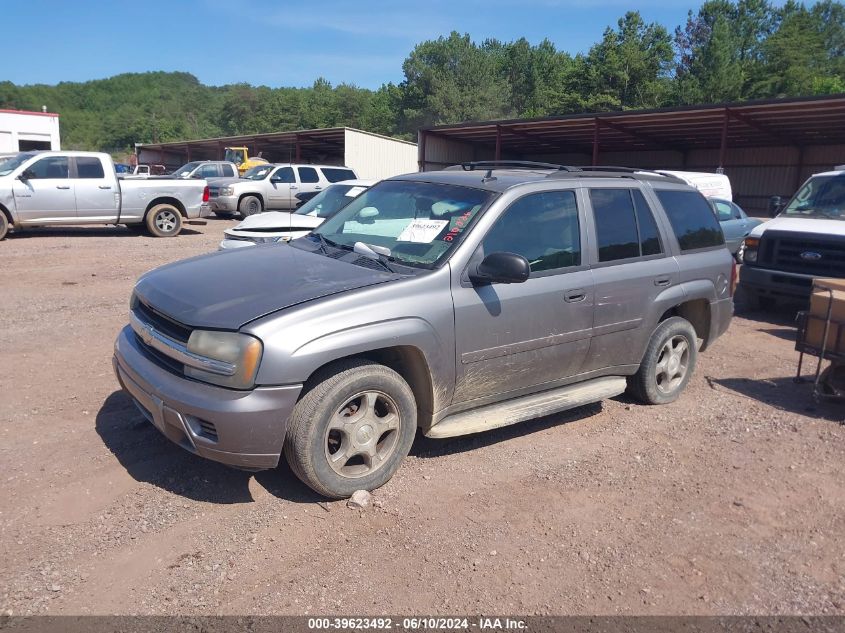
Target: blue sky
pixel 288 43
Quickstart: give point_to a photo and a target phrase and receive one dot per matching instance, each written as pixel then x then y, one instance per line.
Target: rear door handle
pixel 573 296
pixel 62 186
pixel 105 186
pixel 662 281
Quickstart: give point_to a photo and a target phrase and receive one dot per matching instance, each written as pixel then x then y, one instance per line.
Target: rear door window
pixel 336 174
pixel 308 175
pixel 693 220
pixel 625 226
pixel 89 167
pixel 207 171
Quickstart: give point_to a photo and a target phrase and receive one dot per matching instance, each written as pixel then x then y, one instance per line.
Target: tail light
pixel 205 194
pixel 733 278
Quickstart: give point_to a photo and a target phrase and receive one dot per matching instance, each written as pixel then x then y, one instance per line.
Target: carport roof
pixel 798 121
pixel 327 139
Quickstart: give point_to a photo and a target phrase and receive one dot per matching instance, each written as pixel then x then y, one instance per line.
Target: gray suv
pixel 449 302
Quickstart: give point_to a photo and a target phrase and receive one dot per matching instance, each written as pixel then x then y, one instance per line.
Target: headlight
pixel 226 191
pixel 751 246
pixel 237 356
pixel 282 238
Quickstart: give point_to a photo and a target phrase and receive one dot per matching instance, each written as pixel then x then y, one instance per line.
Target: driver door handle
pixel 573 296
pixel 662 281
pixel 105 186
pixel 62 186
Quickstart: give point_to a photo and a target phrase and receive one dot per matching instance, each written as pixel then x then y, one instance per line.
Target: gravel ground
pixel 729 501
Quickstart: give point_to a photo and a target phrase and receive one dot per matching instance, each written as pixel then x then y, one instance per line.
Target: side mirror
pixel 775 205
pixel 501 268
pixel 24 175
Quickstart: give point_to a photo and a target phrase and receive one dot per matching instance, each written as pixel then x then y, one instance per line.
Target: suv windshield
pixel 418 222
pixel 821 197
pixel 328 201
pixel 8 164
pixel 259 172
pixel 186 169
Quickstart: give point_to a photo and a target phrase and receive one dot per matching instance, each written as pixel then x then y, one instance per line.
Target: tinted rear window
pixel 89 167
pixel 336 175
pixel 692 219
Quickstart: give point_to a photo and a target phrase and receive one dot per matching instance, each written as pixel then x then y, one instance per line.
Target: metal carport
pixel 766 147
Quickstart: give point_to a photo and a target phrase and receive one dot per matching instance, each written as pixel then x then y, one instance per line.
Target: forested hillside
pixel 726 51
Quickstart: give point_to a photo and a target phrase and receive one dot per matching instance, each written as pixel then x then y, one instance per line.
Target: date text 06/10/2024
pixel 417 623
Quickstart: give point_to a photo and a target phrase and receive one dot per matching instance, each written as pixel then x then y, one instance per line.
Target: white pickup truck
pixel 805 240
pixel 57 188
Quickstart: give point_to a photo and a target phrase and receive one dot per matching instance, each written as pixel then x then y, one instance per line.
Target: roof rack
pixel 513 164
pixel 611 171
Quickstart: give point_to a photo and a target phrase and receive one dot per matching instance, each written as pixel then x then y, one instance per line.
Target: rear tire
pixel 164 220
pixel 4 225
pixel 668 363
pixel 352 429
pixel 250 205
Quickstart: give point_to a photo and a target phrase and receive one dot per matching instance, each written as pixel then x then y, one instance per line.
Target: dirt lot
pixel 731 500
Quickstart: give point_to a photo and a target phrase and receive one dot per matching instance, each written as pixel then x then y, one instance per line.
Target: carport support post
pixel 498 155
pixel 421 151
pixel 723 147
pixel 298 150
pixel 595 141
pixel 188 153
pixel 219 150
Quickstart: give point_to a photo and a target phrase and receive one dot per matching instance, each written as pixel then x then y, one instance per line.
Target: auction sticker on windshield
pixel 422 231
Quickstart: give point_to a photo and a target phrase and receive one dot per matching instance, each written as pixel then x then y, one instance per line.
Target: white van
pixel 710 185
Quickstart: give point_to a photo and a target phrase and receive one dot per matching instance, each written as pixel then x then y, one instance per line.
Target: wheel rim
pixel 166 221
pixel 253 206
pixel 672 364
pixel 362 434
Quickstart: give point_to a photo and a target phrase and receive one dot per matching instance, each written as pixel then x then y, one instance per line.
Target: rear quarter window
pixel 692 219
pixel 336 174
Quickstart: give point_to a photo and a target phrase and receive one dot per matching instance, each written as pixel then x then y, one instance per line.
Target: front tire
pixel 4 225
pixel 352 429
pixel 250 205
pixel 164 220
pixel 668 363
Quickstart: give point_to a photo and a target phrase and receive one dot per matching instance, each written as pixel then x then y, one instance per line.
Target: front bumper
pixel 775 283
pixel 226 204
pixel 240 428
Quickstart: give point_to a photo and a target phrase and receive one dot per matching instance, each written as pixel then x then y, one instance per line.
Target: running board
pixel 493 416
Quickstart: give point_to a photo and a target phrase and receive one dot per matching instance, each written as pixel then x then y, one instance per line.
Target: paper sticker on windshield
pixel 354 191
pixel 422 231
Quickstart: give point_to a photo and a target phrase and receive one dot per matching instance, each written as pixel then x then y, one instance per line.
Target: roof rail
pixel 624 172
pixel 513 164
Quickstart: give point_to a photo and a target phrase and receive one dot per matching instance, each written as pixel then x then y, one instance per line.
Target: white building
pixel 22 131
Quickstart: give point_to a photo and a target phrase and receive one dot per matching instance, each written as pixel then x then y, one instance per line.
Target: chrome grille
pixel 807 254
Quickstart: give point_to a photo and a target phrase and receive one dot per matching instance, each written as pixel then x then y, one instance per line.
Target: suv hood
pixel 802 225
pixel 228 289
pixel 276 220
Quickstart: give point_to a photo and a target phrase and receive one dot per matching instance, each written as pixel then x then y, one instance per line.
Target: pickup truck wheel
pixel 164 220
pixel 250 205
pixel 4 225
pixel 352 429
pixel 668 363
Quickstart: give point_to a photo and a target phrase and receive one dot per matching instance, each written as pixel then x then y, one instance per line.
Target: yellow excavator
pixel 240 156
